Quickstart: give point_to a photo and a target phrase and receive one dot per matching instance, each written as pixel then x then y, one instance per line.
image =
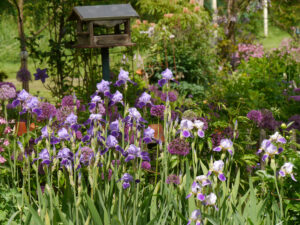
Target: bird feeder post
pixel 103 26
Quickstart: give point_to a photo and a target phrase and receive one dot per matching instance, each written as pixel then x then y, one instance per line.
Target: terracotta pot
pixel 159 131
pixel 32 127
pixel 21 128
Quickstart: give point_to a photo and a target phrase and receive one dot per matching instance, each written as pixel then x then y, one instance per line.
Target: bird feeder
pixel 103 26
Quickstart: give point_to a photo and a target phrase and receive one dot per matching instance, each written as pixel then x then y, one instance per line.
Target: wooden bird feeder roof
pixel 103 12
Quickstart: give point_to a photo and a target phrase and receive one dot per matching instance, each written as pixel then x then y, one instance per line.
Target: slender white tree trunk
pixel 265 5
pixel 215 15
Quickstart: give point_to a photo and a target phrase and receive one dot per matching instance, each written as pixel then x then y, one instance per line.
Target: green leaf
pixel 93 211
pixel 36 218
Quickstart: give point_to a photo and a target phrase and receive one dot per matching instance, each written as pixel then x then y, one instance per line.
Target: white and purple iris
pixel 287 169
pixel 126 178
pixel 195 217
pixel 116 98
pixel 135 115
pixel 203 180
pixel 211 200
pixel 103 87
pixel 66 157
pixel 217 168
pixel 196 190
pixel 123 78
pixel 96 117
pixel 148 135
pixel 185 127
pixel 63 134
pixel 269 148
pixel 200 126
pixel 143 100
pixel 167 75
pixel 277 138
pixel 71 119
pixel 225 145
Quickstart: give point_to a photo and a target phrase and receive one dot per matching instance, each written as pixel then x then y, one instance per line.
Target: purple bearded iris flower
pixel 286 169
pixel 71 119
pixel 126 178
pixel 115 98
pixel 195 217
pixel 186 126
pixel 211 200
pixel 167 75
pixel 63 134
pixel 226 145
pixel 200 126
pixel 41 75
pixel 143 100
pixel 203 180
pixel 45 156
pixel 112 142
pixel 277 138
pixel 123 78
pixel 66 157
pixel 96 117
pixel 95 99
pixel 269 149
pixel 217 168
pixel 135 152
pixel 135 115
pixel 196 190
pixel 114 128
pixel 103 87
pixel 148 135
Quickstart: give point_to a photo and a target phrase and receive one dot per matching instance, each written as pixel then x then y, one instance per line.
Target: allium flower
pixel 143 100
pixel 173 179
pixel 148 135
pixel 158 110
pixel 296 122
pixel 63 113
pixel 286 169
pixel 217 168
pixel 255 115
pixel 86 155
pixel 196 190
pixel 63 134
pixel 7 91
pixel 23 75
pixel 71 119
pixel 167 75
pixel 195 217
pixel 44 156
pixel 268 121
pixel 277 138
pixel 211 200
pixel 225 145
pixel 200 126
pixel 126 178
pixel 146 165
pixel 67 101
pixel 123 78
pixel 172 96
pixel 103 87
pixel 41 75
pixel 179 147
pixel 185 127
pixel 115 98
pixel 48 111
pixel 135 152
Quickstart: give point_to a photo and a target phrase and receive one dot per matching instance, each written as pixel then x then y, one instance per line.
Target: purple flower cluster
pixel 179 146
pixel 173 179
pixel 158 110
pixel 23 75
pixel 296 122
pixel 245 51
pixel 263 118
pixel 256 116
pixel 7 91
pixel 48 111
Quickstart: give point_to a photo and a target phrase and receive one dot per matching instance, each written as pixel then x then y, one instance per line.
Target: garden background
pixel 199 123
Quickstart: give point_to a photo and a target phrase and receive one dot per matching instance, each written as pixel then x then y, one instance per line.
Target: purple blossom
pixel 179 146
pixel 158 110
pixel 41 75
pixel 115 98
pixel 126 178
pixel 86 155
pixel 67 101
pixel 255 115
pixel 103 87
pixel 44 156
pixel 96 117
pixel 173 95
pixel 135 152
pixel 63 134
pixel 114 128
pixel 148 135
pixel 217 168
pixel 23 75
pixel 63 112
pixel 48 111
pixel 173 179
pixel 287 169
pixel 196 190
pixel 7 91
pixel 195 217
pixel 185 127
pixel 167 75
pixel 225 145
pixel 66 157
pixel 144 99
pixel 296 122
pixel 71 119
pixel 146 165
pixel 123 78
pixel 268 121
pixel 23 95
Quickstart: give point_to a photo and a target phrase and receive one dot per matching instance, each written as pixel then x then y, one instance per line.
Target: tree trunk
pixel 265 5
pixel 24 54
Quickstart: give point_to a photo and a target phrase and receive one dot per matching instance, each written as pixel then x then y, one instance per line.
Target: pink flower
pixel 6 142
pixel 7 130
pixel 2 160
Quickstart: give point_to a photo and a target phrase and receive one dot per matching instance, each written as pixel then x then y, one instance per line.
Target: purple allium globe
pixel 63 112
pixel 157 110
pixel 7 91
pixel 67 101
pixel 268 121
pixel 23 75
pixel 255 115
pixel 86 156
pixel 48 111
pixel 173 95
pixel 296 120
pixel 173 179
pixel 146 165
pixel 179 147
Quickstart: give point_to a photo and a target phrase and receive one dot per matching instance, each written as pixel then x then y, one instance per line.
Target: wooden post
pixel 215 15
pixel 91 32
pixel 105 63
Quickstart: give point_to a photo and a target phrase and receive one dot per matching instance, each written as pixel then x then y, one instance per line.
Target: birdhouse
pixel 103 26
